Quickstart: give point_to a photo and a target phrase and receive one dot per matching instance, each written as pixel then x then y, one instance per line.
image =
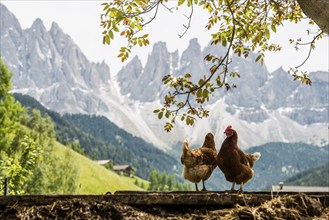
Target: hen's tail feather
pixel 255 156
pixel 186 147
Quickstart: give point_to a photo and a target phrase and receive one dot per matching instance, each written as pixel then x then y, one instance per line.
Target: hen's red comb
pixel 228 128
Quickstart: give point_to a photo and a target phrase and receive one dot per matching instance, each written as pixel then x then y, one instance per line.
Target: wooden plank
pixel 137 198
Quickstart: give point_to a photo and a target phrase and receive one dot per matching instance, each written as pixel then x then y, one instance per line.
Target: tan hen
pixel 199 163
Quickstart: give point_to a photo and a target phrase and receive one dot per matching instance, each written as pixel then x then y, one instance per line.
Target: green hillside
pixel 94 178
pixel 318 176
pixel 100 138
pixel 280 161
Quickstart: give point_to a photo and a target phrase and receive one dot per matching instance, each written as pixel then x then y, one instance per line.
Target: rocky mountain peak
pixel 38 24
pixel 11 33
pixel 192 61
pixel 8 19
pixel 55 29
pixel 265 107
pixel 144 83
pixel 193 52
pixel 128 74
pixel 38 30
pixel 194 45
pixel 50 67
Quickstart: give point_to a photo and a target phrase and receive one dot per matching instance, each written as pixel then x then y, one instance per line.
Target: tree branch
pixel 311 43
pixel 188 24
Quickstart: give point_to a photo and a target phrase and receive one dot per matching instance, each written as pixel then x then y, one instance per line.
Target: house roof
pixel 284 188
pixel 121 167
pixel 102 162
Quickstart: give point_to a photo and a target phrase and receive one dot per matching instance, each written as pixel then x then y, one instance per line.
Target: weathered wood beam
pixel 213 199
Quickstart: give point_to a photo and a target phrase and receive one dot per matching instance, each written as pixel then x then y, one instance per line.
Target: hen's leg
pixel 241 188
pixel 232 188
pixel 196 187
pixel 203 186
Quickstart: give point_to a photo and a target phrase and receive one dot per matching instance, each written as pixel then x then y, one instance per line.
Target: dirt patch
pixel 299 206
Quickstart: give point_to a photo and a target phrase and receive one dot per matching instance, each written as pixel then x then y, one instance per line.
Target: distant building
pixel 126 170
pixel 103 162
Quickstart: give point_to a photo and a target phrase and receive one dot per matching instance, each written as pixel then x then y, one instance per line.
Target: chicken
pixel 235 164
pixel 199 163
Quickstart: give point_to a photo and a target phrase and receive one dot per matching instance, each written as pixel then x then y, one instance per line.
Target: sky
pixel 81 20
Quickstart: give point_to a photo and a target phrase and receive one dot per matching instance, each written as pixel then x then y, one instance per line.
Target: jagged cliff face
pixel 50 67
pixel 264 107
pixel 145 83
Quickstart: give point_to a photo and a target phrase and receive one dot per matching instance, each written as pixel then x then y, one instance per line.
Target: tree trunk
pixel 318 11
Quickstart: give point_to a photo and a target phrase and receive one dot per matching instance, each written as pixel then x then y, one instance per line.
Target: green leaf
pixel 201 81
pixel 205 93
pixel 180 2
pixel 111 35
pixel 160 115
pixel 199 93
pixel 224 42
pixel 106 39
pixel 188 120
pixel 259 56
pixel 235 74
pixel 273 28
pixel 115 28
pixel 209 8
pixel 140 43
pixel 139 26
pixel 267 33
pixel 187 75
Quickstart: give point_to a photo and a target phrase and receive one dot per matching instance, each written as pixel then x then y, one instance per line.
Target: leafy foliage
pixel 18 150
pixel 26 145
pixel 18 169
pixel 240 26
pixel 52 174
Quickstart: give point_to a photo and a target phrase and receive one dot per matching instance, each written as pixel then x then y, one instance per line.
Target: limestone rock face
pixel 265 107
pixel 50 67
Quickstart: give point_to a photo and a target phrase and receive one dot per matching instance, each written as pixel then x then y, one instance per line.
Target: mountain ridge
pixel 265 107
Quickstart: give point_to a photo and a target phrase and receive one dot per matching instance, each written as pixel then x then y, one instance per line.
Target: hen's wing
pixel 199 157
pixel 223 168
pixel 243 158
pixel 193 158
pixel 241 171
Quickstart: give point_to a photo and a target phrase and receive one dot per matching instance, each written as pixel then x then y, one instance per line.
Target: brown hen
pixel 199 163
pixel 235 164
